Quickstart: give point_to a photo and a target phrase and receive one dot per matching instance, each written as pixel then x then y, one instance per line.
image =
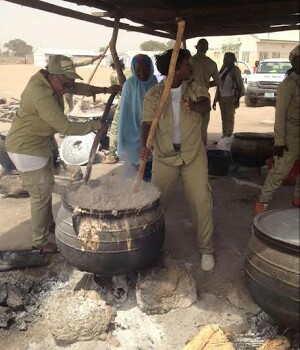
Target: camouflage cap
pixel 59 64
pixel 294 53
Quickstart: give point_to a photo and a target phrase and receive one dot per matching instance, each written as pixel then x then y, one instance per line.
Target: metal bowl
pixel 75 150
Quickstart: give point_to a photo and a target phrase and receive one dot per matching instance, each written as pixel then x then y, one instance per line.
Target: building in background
pixel 250 48
pixel 41 55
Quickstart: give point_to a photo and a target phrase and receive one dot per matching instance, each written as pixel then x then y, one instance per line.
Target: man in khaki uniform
pixel 113 131
pixel 204 68
pixel 68 98
pixel 178 151
pixel 286 134
pixel 28 142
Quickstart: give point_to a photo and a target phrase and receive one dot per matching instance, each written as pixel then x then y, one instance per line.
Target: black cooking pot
pixel 252 149
pixel 129 240
pixel 272 265
pixel 5 161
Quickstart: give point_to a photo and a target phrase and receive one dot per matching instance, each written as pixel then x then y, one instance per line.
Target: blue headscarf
pixel 131 111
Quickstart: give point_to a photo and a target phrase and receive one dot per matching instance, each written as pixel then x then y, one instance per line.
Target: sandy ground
pixel 233 214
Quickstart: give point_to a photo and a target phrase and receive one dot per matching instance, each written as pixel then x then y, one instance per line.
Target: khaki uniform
pixel 203 69
pixel 68 98
pixel 38 118
pixel 189 162
pixel 286 132
pixel 113 131
pixel 228 104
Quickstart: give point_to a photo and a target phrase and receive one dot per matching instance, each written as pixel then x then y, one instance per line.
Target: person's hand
pixel 97 57
pixel 114 89
pixel 214 105
pixel 279 150
pixel 188 104
pixel 145 153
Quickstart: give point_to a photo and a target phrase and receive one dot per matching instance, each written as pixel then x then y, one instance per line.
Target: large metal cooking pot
pixel 252 149
pixel 5 161
pixel 130 240
pixel 272 265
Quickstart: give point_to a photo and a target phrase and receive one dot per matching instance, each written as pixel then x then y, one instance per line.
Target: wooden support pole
pixel 113 51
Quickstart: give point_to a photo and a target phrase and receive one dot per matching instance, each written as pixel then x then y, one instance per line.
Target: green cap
pixel 59 64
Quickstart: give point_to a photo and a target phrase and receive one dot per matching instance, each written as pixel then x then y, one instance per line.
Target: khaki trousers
pixel 281 168
pixel 227 107
pixel 39 184
pixel 204 126
pixel 194 177
pixel 113 133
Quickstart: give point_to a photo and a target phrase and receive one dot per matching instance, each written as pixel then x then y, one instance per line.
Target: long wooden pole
pixel 97 65
pixel 97 139
pixel 163 101
pixel 113 51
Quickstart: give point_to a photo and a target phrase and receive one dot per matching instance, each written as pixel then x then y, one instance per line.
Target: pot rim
pixel 253 136
pixel 109 213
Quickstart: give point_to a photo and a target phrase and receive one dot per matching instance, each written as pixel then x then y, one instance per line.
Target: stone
pixel 240 297
pixel 160 290
pixel 21 326
pixel 6 315
pixel 3 293
pixel 210 337
pixel 71 318
pixel 14 297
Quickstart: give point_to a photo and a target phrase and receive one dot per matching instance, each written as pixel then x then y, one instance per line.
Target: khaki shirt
pixel 287 115
pixel 114 80
pixel 203 69
pixel 190 125
pixel 40 116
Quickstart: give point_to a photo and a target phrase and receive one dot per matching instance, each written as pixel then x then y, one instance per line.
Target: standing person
pixel 255 66
pixel 286 134
pixel 112 157
pixel 178 151
pixel 229 92
pixel 131 111
pixel 204 68
pixel 68 97
pixel 39 117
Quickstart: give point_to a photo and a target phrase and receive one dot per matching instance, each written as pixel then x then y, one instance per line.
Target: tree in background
pixel 102 49
pixel 18 48
pixel 152 45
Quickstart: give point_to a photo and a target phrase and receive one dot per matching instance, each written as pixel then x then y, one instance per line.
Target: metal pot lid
pixel 75 150
pixel 281 225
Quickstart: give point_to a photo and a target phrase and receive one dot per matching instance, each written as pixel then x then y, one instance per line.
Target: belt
pixel 176 147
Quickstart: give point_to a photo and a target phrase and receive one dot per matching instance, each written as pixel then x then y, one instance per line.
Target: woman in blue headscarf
pixel 131 110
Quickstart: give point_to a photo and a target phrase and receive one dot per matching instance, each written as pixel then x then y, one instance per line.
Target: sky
pixel 42 29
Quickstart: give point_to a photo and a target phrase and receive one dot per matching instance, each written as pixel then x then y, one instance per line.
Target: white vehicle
pixel 245 70
pixel 262 85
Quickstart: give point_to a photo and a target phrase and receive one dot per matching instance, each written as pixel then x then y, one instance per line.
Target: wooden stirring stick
pixel 97 139
pixel 162 102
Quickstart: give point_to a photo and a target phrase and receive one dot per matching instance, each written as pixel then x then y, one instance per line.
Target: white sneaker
pixel 207 262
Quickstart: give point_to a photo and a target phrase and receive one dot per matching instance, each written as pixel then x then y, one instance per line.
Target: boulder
pixel 71 318
pixel 162 289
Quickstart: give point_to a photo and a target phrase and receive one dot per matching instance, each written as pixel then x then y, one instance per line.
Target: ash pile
pixel 21 297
